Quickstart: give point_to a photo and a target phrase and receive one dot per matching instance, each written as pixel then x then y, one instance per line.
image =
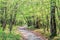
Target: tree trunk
pixel 37 23
pixel 10 26
pixel 4 18
pixel 53 21
pixel 47 26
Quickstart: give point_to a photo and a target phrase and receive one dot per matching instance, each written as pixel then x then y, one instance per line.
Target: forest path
pixel 28 35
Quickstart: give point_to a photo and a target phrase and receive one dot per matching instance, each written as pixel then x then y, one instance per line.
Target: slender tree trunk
pixel 47 23
pixel 14 19
pixel 4 19
pixel 53 21
pixel 10 26
pixel 58 10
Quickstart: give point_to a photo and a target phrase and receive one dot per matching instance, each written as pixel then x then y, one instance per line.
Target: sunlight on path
pixel 28 35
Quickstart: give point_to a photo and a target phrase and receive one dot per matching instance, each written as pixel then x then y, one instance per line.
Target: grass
pixel 57 37
pixel 6 35
pixel 46 34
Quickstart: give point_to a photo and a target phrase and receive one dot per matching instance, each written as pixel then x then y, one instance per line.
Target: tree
pixel 4 14
pixel 53 21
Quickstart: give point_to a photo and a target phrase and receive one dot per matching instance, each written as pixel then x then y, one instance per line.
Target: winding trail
pixel 28 35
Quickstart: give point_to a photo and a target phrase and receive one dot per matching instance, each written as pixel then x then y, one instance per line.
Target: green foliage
pixel 31 28
pixel 4 36
pixel 23 11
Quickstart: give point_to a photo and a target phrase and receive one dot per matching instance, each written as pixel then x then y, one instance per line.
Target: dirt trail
pixel 28 35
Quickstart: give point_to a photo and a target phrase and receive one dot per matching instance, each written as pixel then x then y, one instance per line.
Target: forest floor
pixel 30 35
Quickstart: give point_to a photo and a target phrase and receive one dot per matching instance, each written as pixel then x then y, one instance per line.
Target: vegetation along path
pixel 28 35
